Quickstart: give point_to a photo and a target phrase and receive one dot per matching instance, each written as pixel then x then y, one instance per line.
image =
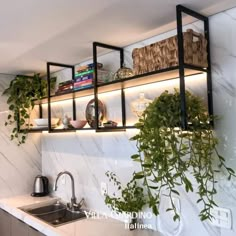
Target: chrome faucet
pixel 74 205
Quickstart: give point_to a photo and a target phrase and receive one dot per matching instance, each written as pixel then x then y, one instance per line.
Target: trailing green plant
pixel 131 197
pixel 22 93
pixel 170 156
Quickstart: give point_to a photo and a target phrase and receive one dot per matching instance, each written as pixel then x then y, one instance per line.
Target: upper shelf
pixel 67 96
pixel 150 77
pixel 137 80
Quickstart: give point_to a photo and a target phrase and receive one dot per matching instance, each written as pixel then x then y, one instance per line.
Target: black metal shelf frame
pixel 181 69
pixel 123 110
pixel 49 64
pixel 179 11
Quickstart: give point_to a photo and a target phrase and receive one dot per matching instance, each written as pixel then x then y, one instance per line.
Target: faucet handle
pixel 81 203
pixel 76 206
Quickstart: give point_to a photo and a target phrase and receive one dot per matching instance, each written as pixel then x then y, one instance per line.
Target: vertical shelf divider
pixel 179 11
pixel 121 50
pixel 49 64
pixel 73 99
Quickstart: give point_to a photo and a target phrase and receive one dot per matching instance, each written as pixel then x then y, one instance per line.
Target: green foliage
pixel 132 197
pixel 168 155
pixel 22 93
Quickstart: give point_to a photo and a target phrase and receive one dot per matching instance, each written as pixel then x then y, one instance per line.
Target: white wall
pixel 18 165
pixel 89 155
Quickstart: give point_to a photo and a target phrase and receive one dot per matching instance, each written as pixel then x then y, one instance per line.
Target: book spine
pixel 65 83
pixel 78 84
pixel 84 77
pixel 83 87
pixel 83 81
pixel 65 87
pixel 84 73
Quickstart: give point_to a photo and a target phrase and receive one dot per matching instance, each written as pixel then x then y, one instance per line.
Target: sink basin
pixel 55 214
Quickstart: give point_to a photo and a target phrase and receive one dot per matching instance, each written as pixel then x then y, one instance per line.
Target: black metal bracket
pixel 179 11
pixel 49 64
pixel 121 50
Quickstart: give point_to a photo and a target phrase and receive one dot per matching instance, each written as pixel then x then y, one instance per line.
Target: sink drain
pixel 55 222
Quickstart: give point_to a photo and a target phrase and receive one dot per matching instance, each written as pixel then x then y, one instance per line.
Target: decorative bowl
pixel 78 124
pixel 44 121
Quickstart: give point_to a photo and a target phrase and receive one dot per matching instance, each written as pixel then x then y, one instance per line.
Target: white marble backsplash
pixel 89 155
pixel 18 165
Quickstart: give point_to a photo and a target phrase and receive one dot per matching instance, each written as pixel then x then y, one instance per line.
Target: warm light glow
pixel 45 132
pixel 109 94
pixel 86 131
pixel 62 103
pixel 84 99
pixel 162 85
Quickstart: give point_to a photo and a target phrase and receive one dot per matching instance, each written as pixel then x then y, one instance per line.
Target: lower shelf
pixel 101 129
pixel 110 129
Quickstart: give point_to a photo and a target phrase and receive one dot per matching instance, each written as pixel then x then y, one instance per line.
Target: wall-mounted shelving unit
pixel 181 72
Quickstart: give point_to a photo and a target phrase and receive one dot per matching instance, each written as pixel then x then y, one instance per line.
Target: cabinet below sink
pixel 11 226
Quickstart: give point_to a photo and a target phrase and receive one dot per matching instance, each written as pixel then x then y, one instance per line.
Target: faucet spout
pixel 73 198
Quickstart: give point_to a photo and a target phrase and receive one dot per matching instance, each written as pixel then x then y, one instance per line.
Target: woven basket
pixel 164 54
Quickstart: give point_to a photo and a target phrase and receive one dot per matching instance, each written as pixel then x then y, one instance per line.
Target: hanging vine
pixel 168 155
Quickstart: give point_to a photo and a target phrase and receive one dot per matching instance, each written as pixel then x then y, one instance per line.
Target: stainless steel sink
pixel 55 214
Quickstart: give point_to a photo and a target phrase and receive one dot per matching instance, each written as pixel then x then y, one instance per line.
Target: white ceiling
pixel 36 31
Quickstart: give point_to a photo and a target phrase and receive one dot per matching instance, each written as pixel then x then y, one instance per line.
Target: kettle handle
pixel 45 182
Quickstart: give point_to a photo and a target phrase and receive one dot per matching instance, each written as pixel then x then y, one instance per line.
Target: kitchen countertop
pixel 85 227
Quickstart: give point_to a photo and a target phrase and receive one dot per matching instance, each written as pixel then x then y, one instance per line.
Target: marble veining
pixel 88 156
pixel 18 165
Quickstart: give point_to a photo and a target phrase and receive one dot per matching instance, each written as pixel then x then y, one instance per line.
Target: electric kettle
pixel 40 186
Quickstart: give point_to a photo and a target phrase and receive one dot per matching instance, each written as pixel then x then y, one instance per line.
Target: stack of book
pixel 83 79
pixel 65 87
pixel 85 76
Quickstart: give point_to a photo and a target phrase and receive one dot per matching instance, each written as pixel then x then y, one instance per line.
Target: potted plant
pixel 131 198
pixel 22 93
pixel 170 157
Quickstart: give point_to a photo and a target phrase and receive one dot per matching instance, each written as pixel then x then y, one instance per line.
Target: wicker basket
pixel 164 54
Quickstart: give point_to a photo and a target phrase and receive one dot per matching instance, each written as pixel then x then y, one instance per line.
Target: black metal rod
pixel 59 64
pixel 95 44
pixel 113 129
pixel 26 76
pixel 73 99
pixel 209 79
pixel 40 111
pixel 123 107
pixel 190 12
pixel 121 57
pixel 188 66
pixel 181 67
pixel 49 97
pixel 103 45
pixel 40 105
